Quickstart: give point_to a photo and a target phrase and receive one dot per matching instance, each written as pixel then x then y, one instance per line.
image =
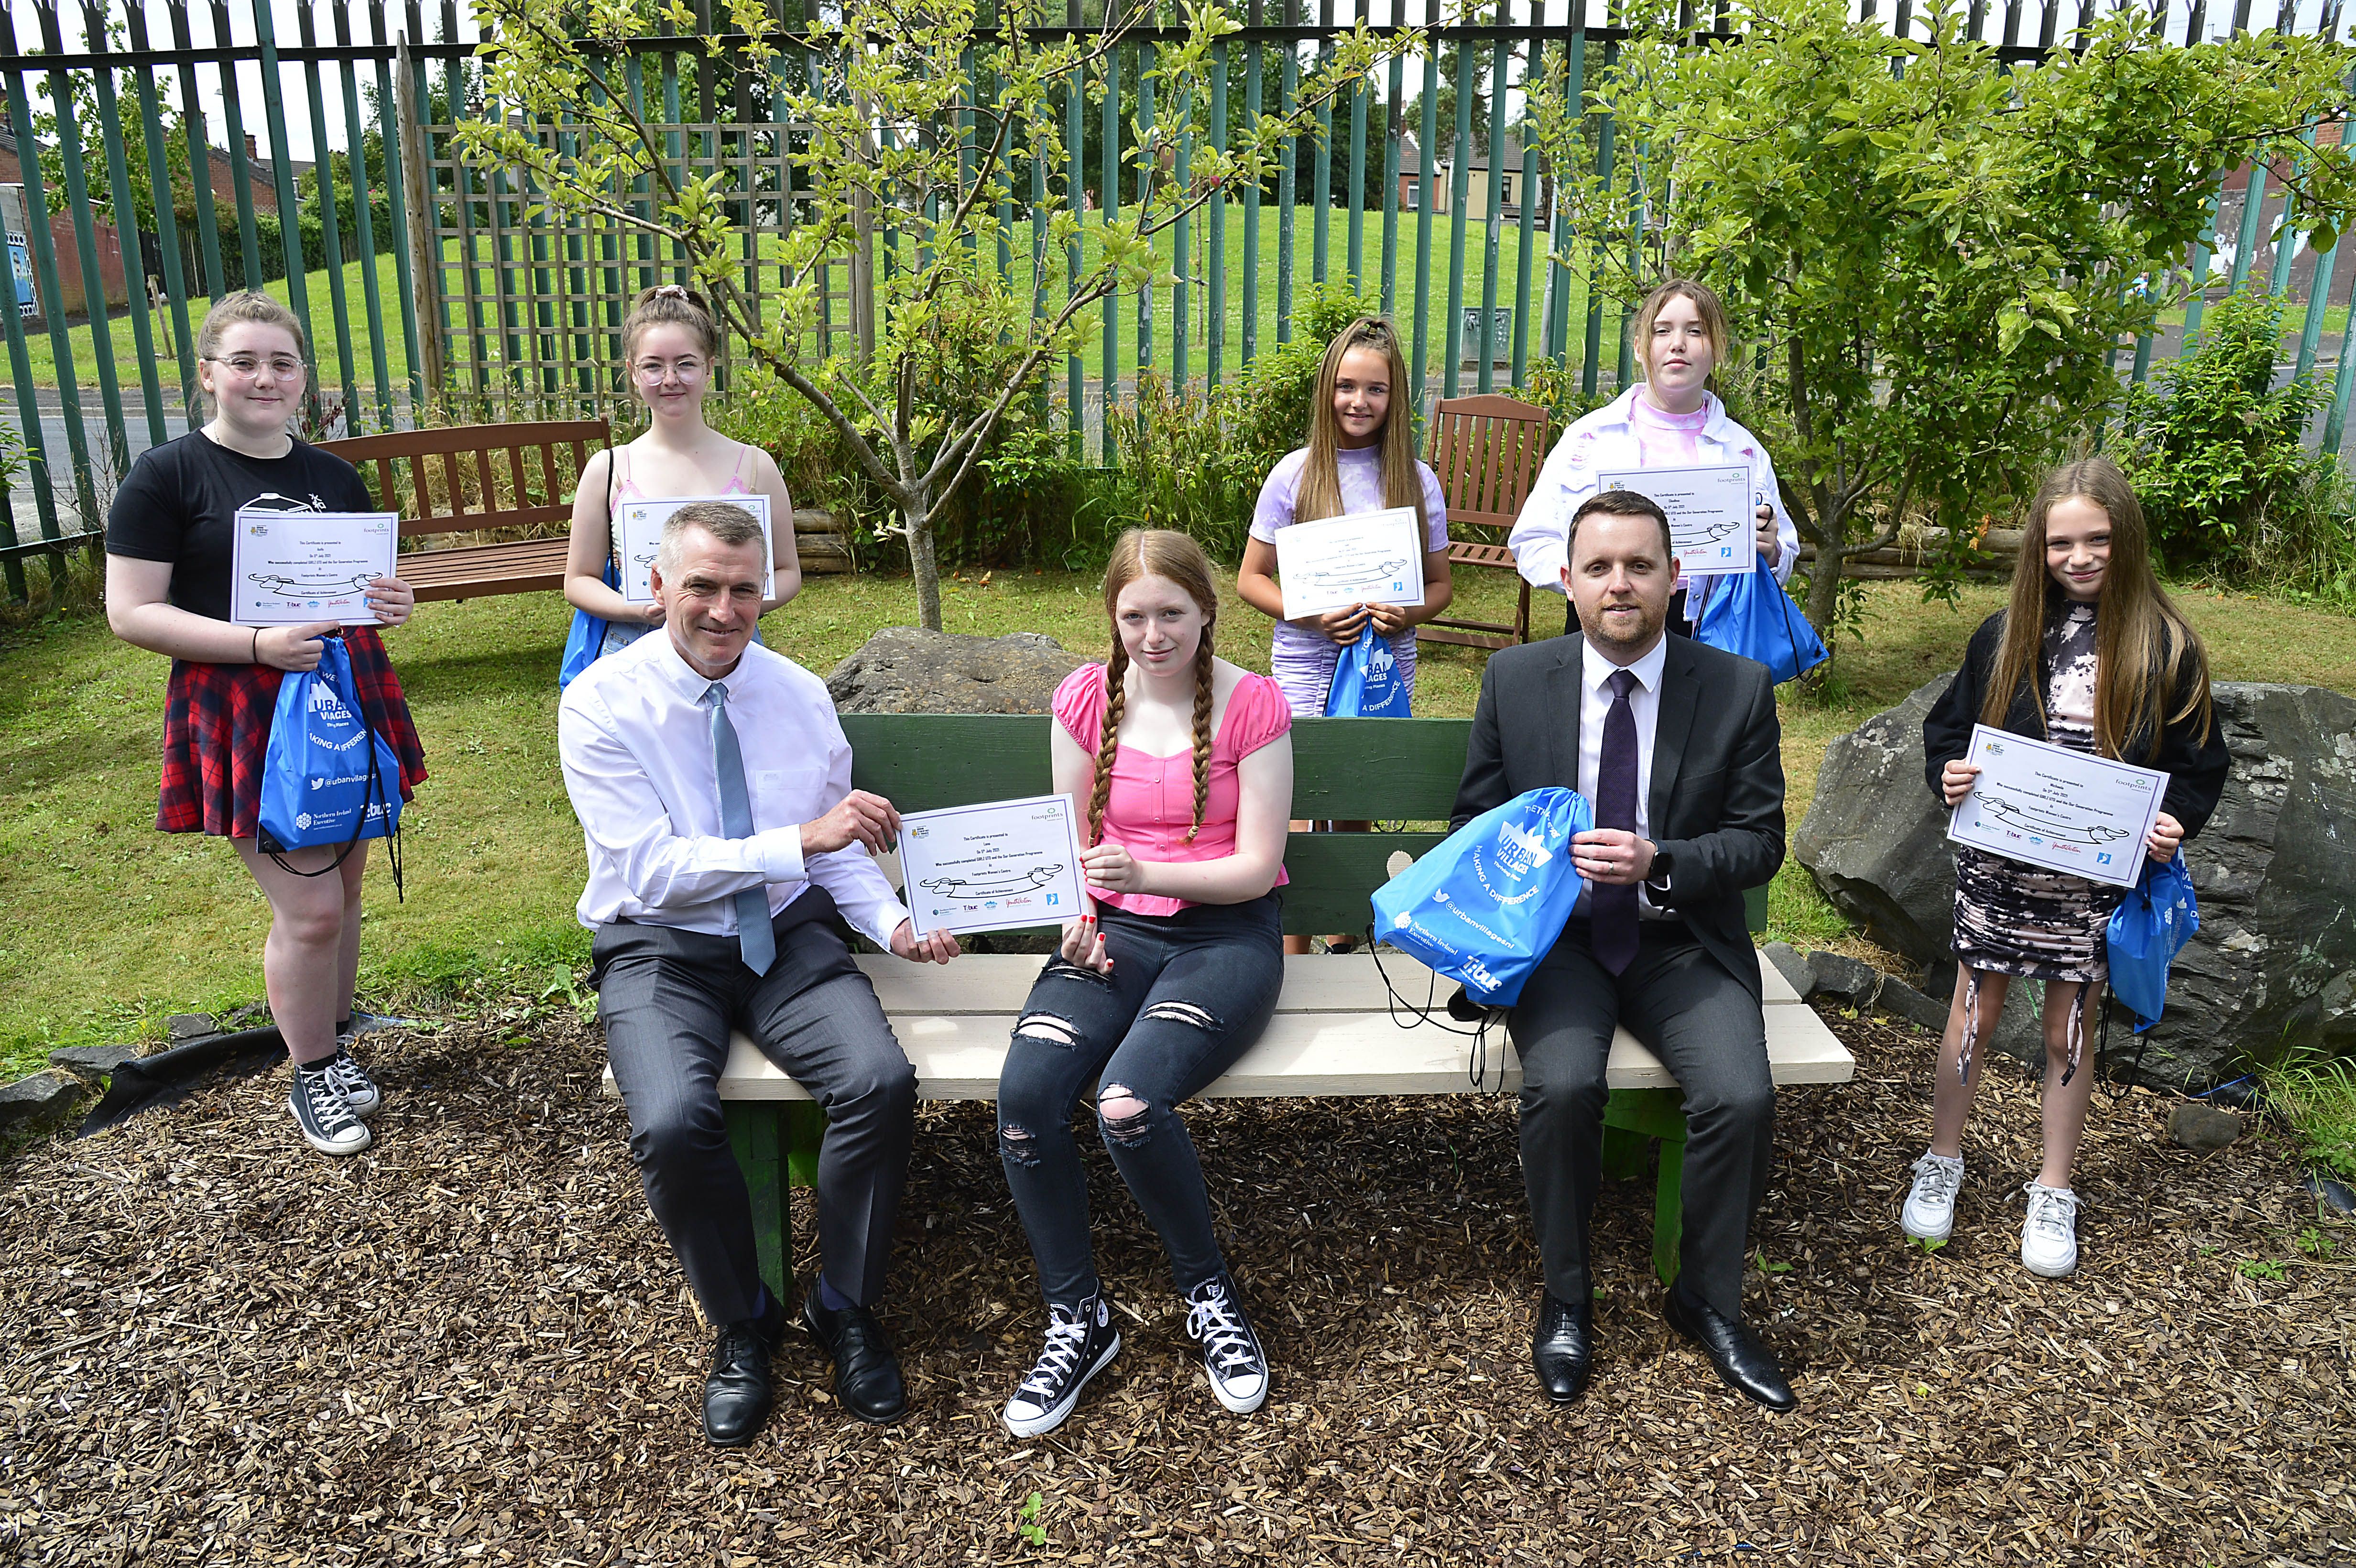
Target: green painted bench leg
pixel 1626 1154
pixel 755 1132
pixel 1639 1116
pixel 805 1131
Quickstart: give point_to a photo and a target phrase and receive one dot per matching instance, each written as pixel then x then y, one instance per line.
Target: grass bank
pixel 115 926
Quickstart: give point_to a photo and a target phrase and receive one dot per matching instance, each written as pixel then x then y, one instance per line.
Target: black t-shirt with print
pixel 181 500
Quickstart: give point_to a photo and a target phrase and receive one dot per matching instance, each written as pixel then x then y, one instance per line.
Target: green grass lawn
pixel 114 925
pixel 360 373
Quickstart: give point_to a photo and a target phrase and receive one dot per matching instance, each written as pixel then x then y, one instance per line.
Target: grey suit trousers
pixel 1707 1031
pixel 669 999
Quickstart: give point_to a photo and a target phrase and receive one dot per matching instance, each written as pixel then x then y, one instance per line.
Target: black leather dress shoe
pixel 1562 1348
pixel 866 1372
pixel 736 1395
pixel 1743 1363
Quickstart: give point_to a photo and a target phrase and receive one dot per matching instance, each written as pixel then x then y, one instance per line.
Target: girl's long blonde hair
pixel 1154 552
pixel 1706 305
pixel 2144 647
pixel 1320 495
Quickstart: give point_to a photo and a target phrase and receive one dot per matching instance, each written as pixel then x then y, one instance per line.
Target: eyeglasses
pixel 652 371
pixel 247 366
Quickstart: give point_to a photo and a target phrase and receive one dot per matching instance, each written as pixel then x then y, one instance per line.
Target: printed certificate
pixel 637 532
pixel 2062 810
pixel 992 867
pixel 1365 558
pixel 1712 511
pixel 289 568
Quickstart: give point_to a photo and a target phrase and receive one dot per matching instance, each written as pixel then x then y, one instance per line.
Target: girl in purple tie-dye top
pixel 1358 459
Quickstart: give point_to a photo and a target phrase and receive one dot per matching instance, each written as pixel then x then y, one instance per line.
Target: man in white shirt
pixel 726 845
pixel 1688 798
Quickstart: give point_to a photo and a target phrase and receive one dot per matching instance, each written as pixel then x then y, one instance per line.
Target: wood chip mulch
pixel 470 1345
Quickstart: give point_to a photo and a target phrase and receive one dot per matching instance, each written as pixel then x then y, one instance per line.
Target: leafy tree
pixel 1927 254
pixel 914 120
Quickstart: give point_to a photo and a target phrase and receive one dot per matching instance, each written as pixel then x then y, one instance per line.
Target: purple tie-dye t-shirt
pixel 1303 662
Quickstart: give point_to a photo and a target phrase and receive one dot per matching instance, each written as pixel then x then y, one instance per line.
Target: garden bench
pixel 1487 450
pixel 1333 1032
pixel 473 477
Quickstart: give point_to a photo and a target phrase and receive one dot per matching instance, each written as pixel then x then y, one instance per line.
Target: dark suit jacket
pixel 1717 799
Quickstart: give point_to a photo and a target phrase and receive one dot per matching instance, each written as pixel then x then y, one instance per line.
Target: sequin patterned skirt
pixel 2016 918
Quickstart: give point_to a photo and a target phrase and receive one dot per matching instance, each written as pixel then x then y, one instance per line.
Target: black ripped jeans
pixel 1188 993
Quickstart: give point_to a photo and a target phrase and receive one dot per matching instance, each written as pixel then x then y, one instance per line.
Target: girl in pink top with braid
pixel 669 345
pixel 1186 764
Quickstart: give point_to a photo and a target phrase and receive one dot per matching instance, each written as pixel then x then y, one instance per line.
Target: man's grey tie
pixel 754 934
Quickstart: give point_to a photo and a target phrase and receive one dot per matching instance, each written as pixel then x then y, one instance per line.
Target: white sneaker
pixel 1231 1351
pixel 2048 1237
pixel 1929 1211
pixel 326 1118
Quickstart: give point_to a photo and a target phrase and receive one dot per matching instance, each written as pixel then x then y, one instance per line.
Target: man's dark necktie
pixel 1611 910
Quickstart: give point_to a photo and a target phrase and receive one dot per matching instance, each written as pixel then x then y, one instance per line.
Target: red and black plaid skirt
pixel 217 733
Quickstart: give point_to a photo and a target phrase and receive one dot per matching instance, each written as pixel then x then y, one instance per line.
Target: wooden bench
pixel 470 478
pixel 1333 1032
pixel 1487 451
pixel 473 478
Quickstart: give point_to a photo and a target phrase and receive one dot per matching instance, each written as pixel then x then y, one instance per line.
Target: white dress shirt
pixel 636 742
pixel 1595 699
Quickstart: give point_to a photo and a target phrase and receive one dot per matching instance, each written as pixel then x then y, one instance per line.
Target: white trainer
pixel 2048 1237
pixel 1929 1211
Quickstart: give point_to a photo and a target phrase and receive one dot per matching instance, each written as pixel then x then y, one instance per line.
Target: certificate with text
pixel 1712 510
pixel 992 867
pixel 289 568
pixel 2050 806
pixel 639 530
pixel 1365 558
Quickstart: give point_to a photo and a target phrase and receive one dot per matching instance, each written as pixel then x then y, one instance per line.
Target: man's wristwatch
pixel 1657 877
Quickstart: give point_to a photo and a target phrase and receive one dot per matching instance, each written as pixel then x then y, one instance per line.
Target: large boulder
pixel 905 669
pixel 2273 964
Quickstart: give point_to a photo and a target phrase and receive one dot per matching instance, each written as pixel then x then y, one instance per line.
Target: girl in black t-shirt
pixel 168 591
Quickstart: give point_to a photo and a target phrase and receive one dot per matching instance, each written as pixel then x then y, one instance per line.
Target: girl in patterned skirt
pixel 168 591
pixel 2091 655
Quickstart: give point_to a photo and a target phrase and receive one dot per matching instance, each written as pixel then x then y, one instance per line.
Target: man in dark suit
pixel 1676 743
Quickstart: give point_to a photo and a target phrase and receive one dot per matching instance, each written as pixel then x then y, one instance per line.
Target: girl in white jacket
pixel 1669 419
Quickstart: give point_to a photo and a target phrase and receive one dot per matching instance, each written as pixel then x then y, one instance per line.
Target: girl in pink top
pixel 1186 764
pixel 668 344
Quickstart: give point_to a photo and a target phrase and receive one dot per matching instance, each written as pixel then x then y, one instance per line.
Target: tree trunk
pixel 916 515
pixel 1824 578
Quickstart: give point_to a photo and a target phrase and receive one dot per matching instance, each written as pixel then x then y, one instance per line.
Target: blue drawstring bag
pixel 587 638
pixel 2147 930
pixel 327 780
pixel 1485 905
pixel 1367 681
pixel 1750 613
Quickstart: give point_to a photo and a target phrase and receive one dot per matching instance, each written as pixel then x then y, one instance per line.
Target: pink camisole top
pixel 625 488
pixel 1151 803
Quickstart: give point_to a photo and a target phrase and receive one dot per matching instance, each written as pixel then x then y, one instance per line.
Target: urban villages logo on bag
pixel 1367 682
pixel 1485 905
pixel 315 792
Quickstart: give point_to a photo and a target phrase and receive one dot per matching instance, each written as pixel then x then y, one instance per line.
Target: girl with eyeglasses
pixel 669 342
pixel 168 548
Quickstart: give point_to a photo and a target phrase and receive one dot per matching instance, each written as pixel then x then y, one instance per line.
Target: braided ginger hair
pixel 1155 553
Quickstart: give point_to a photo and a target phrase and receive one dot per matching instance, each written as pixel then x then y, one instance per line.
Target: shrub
pixel 2217 452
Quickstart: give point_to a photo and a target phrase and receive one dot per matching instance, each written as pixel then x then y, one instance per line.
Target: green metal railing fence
pixel 431 293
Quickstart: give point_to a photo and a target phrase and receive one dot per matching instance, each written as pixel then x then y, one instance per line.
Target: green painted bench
pixel 1332 1033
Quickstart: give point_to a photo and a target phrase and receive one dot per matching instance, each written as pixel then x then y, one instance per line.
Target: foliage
pixel 911 122
pixel 1931 248
pixel 2214 447
pixel 2315 1094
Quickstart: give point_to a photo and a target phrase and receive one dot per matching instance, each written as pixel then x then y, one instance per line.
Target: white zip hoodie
pixel 1606 440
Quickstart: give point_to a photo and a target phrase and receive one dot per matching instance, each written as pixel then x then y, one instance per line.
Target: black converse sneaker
pixel 324 1115
pixel 1231 1351
pixel 1081 1341
pixel 359 1089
